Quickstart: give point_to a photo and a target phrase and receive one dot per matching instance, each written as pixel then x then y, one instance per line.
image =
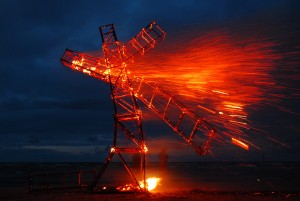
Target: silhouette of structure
pixel 126 91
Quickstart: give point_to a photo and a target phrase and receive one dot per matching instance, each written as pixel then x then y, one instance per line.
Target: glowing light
pixel 206 109
pixel 239 143
pixel 112 150
pixel 220 92
pixel 107 72
pixel 145 148
pixel 77 62
pixel 86 71
pixel 127 187
pixel 232 105
pixel 151 183
pixel 238 122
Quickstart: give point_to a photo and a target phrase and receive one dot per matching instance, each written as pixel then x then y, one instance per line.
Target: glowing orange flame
pixel 145 148
pixel 127 187
pixel 77 62
pixel 151 183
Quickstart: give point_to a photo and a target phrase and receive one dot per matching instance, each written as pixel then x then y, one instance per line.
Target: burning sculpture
pixel 126 90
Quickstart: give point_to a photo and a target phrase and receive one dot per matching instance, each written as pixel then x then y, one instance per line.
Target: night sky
pixel 50 113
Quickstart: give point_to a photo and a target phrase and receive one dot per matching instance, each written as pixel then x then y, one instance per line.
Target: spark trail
pixel 221 75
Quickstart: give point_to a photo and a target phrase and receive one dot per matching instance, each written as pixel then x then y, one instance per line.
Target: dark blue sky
pixel 50 113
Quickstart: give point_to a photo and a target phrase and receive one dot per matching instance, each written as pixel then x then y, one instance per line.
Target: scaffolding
pixel 126 90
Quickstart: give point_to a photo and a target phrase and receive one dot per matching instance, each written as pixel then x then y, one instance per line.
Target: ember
pixel 127 187
pixel 151 184
pixel 219 75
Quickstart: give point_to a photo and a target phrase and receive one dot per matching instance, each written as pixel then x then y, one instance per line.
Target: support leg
pixel 92 187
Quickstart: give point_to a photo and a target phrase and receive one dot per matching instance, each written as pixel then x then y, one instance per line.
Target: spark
pixel 239 143
pixel 208 110
pixel 278 142
pixel 220 75
pixel 220 92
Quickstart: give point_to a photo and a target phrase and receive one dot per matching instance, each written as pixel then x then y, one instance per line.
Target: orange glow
pixel 239 143
pixel 218 75
pixel 127 187
pixel 220 92
pixel 151 183
pixel 77 62
pixel 107 72
pixel 145 148
pixel 86 71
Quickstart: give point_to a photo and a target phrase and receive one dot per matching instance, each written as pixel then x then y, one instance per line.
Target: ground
pixel 21 194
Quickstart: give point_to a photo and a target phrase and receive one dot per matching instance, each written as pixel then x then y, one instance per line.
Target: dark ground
pixel 180 181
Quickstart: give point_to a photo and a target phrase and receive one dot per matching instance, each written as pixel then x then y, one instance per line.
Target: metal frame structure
pixel 125 91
